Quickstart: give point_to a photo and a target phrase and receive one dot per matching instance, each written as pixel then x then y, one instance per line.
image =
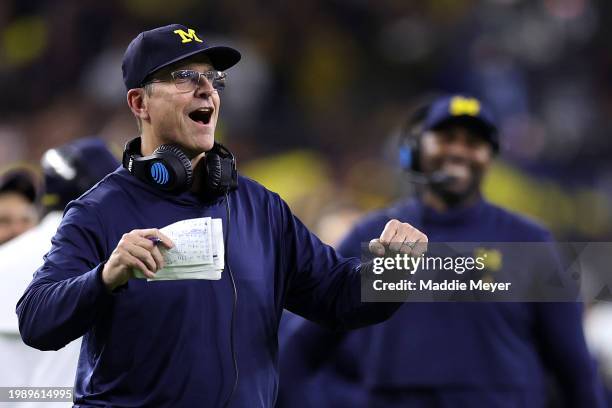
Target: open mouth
pixel 201 115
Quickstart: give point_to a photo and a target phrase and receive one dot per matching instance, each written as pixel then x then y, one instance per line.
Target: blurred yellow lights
pixel 23 41
pixel 585 211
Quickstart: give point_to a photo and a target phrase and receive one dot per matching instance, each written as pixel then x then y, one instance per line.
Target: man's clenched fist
pixel 399 237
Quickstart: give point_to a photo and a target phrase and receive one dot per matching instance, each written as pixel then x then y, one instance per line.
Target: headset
pixel 410 139
pixel 170 170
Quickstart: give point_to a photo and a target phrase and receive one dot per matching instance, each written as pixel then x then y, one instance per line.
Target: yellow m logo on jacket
pixel 188 36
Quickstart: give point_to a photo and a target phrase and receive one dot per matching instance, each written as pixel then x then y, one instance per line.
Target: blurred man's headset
pixel 169 168
pixel 410 139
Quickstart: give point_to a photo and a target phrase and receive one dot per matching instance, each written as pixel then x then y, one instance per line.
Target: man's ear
pixel 136 99
pixel 486 156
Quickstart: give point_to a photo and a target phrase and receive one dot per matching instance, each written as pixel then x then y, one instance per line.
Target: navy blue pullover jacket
pixel 500 351
pixel 167 344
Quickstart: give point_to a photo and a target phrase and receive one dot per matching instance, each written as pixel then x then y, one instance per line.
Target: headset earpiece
pixel 168 168
pixel 410 139
pixel 212 168
pixel 220 168
pixel 174 158
pixel 407 158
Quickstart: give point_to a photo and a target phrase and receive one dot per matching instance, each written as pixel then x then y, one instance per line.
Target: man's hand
pixel 399 237
pixel 136 249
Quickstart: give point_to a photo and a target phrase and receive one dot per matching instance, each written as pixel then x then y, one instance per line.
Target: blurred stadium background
pixel 323 87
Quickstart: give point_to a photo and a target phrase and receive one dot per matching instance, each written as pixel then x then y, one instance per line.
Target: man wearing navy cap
pixel 18 211
pixel 185 342
pixel 446 354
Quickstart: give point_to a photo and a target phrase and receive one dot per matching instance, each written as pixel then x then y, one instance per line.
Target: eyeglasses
pixel 187 80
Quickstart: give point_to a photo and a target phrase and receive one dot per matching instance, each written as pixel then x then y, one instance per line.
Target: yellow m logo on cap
pixel 188 36
pixel 464 106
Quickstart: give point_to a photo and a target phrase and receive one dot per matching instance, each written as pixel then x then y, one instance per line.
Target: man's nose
pixel 204 88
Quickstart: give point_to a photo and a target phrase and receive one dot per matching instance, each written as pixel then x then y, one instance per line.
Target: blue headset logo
pixel 159 172
pixel 405 157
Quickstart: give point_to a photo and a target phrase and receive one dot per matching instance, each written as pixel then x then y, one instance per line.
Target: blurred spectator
pixel 18 211
pixel 72 169
pixel 69 171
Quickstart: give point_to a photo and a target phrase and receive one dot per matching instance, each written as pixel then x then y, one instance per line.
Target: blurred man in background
pixel 69 171
pixel 18 212
pixel 446 354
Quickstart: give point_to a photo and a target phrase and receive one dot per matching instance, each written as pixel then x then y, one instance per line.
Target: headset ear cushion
pixel 179 162
pixel 213 172
pixel 415 161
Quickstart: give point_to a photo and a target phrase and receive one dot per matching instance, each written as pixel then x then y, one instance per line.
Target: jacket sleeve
pixel 321 285
pixel 62 301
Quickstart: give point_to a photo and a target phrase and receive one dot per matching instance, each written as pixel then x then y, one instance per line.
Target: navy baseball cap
pixel 463 109
pixel 73 168
pixel 160 47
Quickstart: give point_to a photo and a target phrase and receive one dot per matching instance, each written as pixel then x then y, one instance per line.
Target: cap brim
pixel 221 58
pixel 488 129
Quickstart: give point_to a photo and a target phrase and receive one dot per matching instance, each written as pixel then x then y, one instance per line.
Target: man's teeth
pixel 458 170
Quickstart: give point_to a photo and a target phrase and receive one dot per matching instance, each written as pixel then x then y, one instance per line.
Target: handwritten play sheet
pixel 198 251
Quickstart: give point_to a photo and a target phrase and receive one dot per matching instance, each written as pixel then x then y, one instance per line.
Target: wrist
pixel 109 283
